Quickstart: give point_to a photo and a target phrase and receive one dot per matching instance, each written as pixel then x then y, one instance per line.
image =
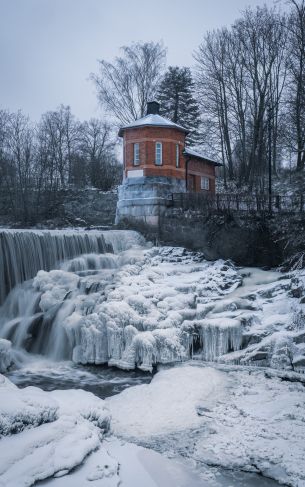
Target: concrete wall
pixel 144 199
pixel 248 242
pixel 75 207
pixel 93 206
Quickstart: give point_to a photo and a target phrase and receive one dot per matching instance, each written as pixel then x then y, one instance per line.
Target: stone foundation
pixel 145 199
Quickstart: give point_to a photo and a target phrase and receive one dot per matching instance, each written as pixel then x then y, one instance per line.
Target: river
pixel 65 324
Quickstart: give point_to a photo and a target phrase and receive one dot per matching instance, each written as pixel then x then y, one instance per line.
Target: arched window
pixel 136 154
pixel 158 155
pixel 177 156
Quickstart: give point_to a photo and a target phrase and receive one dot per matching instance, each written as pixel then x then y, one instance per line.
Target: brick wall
pixel 147 137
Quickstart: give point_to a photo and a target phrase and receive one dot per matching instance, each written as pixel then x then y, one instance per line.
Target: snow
pixel 236 419
pixel 133 466
pixel 71 435
pixel 199 416
pixel 51 432
pixel 22 409
pixel 153 120
pixel 192 153
pixel 166 405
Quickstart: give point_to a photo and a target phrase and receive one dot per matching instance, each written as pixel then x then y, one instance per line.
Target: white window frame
pixel 177 155
pixel 136 154
pixel 158 154
pixel 205 183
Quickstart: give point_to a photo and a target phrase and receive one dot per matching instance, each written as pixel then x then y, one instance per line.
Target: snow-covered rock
pixel 46 433
pixel 23 408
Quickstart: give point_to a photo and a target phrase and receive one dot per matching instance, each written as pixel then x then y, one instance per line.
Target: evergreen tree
pixel 178 102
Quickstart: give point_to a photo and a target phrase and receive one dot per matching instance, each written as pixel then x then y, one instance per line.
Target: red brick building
pixel 155 147
pixel 156 165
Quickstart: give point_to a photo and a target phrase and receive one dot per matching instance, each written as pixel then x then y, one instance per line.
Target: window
pixel 177 155
pixel 205 183
pixel 136 154
pixel 158 159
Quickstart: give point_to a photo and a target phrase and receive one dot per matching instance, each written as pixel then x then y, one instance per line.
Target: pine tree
pixel 178 103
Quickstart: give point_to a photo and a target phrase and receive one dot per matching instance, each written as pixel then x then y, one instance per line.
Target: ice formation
pixel 135 309
pixel 143 306
pixel 24 252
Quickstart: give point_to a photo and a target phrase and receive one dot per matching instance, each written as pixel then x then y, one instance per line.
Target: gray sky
pixel 49 47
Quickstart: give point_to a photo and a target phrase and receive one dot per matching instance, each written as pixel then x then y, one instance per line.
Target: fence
pixel 248 203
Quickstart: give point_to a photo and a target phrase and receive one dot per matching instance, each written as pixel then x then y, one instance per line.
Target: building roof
pixel 195 155
pixel 152 120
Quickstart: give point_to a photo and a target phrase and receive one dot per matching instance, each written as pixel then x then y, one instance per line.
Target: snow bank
pixel 259 427
pixel 53 432
pixel 235 419
pixel 23 408
pixel 168 404
pixel 129 465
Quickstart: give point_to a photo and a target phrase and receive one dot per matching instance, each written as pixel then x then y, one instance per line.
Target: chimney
pixel 153 108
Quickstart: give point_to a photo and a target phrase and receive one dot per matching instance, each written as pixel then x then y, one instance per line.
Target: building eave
pixel 201 158
pixel 173 127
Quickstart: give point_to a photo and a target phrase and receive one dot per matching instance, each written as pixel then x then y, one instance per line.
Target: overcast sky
pixel 48 48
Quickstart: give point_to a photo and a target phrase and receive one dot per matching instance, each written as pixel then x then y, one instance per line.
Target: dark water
pixel 101 380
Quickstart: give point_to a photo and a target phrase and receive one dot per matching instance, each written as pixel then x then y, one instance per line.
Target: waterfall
pixel 105 297
pixel 24 252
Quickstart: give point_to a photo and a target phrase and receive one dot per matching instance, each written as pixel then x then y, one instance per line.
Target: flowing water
pixel 103 381
pixel 43 348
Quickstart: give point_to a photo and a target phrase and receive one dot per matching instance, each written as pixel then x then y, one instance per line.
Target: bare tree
pixel 241 77
pixel 98 146
pixel 125 86
pixel 60 133
pixel 20 142
pixel 296 86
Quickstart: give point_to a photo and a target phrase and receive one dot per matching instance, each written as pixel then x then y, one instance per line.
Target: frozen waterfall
pixel 132 307
pixel 24 252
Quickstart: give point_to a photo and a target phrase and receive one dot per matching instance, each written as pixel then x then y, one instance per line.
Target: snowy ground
pixel 236 419
pixel 191 426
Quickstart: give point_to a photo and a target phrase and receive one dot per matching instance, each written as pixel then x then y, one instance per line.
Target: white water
pixel 23 318
pixel 132 308
pixel 24 252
